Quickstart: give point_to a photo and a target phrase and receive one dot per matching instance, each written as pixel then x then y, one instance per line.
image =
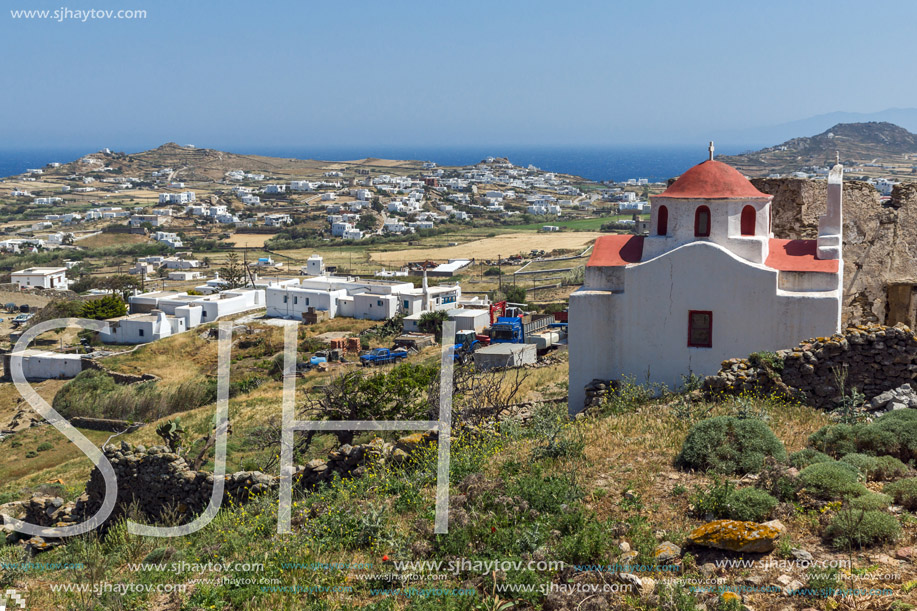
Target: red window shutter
pixel 749 217
pixel 700 329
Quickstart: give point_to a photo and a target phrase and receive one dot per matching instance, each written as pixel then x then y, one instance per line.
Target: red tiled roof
pixel 798 256
pixel 712 180
pixel 616 250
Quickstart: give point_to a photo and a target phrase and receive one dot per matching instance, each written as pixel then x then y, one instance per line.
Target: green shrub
pixel 890 467
pixel 876 468
pixel 729 445
pixel 804 458
pixel 766 359
pixel 750 504
pixel 830 481
pixel 855 528
pixel 44 446
pixel 31 454
pixel 865 464
pixel 904 492
pixel 714 500
pixel 723 500
pixel 871 501
pixel 894 434
pixel 835 440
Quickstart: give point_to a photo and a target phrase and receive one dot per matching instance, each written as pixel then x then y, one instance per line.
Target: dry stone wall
pixel 880 238
pixel 875 358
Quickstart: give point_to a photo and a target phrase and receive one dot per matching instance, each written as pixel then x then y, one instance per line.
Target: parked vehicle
pixel 21 319
pixel 382 356
pixel 513 330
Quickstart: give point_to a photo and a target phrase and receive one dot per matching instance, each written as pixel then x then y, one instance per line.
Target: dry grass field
pixel 490 248
pixel 102 240
pixel 250 240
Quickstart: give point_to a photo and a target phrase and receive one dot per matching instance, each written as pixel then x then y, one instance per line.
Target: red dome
pixel 712 180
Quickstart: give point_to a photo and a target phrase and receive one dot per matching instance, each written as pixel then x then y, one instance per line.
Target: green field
pixel 591 224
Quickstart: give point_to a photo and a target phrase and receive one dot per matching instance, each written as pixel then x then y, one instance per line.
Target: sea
pixel 612 163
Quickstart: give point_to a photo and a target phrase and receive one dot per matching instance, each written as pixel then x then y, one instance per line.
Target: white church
pixel 709 282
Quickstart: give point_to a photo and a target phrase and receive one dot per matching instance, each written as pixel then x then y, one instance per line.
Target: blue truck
pixel 515 330
pixel 382 356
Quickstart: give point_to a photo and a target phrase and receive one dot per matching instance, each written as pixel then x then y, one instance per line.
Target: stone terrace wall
pixel 880 239
pixel 877 358
pixel 160 481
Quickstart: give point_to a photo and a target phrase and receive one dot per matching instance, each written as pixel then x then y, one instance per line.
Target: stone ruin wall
pixel 880 243
pixel 875 358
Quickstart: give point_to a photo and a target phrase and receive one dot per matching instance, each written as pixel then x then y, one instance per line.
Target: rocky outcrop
pixel 880 241
pixel 596 390
pixel 903 397
pixel 875 359
pixel 736 536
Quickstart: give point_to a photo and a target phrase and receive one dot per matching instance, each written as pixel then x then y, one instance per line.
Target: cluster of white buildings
pixel 161 314
pixel 182 198
pixel 358 298
pixel 218 213
pixel 169 238
pixel 240 175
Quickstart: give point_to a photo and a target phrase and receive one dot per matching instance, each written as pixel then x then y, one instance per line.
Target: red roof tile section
pixel 797 256
pixel 616 250
pixel 712 180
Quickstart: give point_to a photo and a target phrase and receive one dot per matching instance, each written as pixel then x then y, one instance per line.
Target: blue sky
pixel 467 72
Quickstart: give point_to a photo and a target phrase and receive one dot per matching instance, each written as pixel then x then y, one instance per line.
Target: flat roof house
pixel 42 277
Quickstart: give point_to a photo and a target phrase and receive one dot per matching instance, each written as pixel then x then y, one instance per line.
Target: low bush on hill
pixel 904 492
pixel 831 481
pixel 808 456
pixel 723 501
pixel 876 468
pixel 893 434
pixel 750 504
pixel 871 501
pixel 729 445
pixel 854 528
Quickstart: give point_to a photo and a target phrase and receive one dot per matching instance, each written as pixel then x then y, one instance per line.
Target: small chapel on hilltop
pixel 709 282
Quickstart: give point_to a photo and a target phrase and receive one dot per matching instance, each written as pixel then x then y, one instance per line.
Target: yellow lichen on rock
pixel 736 536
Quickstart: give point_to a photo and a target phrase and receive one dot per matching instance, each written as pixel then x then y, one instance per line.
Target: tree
pixel 407 392
pixel 367 222
pixel 515 294
pixel 234 272
pixel 432 322
pixel 109 306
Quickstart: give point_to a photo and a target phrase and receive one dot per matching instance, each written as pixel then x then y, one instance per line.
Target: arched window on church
pixel 749 217
pixel 662 221
pixel 702 222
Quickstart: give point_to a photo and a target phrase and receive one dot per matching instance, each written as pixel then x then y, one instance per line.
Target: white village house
pixel 357 298
pixel 41 277
pixel 709 283
pixel 161 314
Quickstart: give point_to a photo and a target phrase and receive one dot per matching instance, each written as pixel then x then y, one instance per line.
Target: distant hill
pixel 763 135
pixel 873 143
pixel 202 164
